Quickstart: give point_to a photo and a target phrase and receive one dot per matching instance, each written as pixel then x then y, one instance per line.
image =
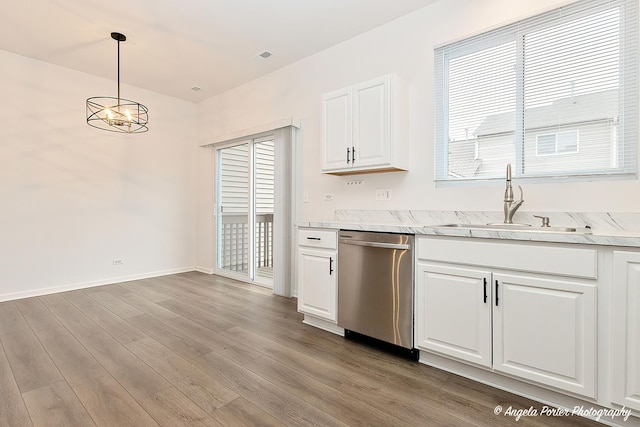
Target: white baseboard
pixel 323 324
pixel 204 270
pixel 90 284
pixel 541 394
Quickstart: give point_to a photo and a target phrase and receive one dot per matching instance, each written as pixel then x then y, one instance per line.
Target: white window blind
pixel 264 159
pixel 522 94
pixel 234 179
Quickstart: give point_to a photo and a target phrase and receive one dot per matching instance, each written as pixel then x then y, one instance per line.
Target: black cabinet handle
pixel 330 265
pixel 348 153
pixel 313 238
pixel 497 293
pixel 353 154
pixel 485 290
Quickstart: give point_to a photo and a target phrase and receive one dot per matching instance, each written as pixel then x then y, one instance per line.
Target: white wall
pixel 73 198
pixel 405 47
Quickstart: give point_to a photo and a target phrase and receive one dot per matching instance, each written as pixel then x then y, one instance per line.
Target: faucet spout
pixel 510 204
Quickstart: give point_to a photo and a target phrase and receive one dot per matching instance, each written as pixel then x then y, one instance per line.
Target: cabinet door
pixel 337 130
pixel 545 330
pixel 317 290
pixel 372 123
pixel 626 329
pixel 453 312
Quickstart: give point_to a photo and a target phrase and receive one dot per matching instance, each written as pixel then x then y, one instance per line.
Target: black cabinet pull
pixel 330 265
pixel 313 238
pixel 348 157
pixel 485 290
pixel 353 154
pixel 496 293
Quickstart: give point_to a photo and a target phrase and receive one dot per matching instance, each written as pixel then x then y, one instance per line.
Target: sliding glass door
pixel 245 208
pixel 264 189
pixel 233 209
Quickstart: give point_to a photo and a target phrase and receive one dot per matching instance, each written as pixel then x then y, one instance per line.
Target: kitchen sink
pixel 517 227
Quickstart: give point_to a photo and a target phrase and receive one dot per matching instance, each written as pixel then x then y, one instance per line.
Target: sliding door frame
pixel 283 231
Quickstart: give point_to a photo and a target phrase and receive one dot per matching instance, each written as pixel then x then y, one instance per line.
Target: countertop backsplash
pixel 600 222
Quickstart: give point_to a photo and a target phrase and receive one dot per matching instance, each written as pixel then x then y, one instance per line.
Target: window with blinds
pixel 555 95
pixel 234 177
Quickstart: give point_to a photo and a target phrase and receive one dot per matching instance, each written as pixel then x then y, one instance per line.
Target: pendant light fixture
pixel 117 114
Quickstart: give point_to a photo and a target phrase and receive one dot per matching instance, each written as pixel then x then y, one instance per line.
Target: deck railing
pixel 235 242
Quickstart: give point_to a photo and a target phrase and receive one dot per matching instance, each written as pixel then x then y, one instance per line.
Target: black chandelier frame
pixel 116 114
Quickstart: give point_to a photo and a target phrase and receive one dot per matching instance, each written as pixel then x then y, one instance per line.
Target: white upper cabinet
pixel 371 123
pixel 365 127
pixel 337 138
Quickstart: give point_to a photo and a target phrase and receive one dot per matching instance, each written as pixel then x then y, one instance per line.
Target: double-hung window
pixel 554 95
pixel 551 144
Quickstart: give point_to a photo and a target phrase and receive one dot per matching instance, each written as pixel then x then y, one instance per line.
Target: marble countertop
pixel 603 238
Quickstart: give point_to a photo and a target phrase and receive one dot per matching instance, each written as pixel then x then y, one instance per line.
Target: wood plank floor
pixel 198 350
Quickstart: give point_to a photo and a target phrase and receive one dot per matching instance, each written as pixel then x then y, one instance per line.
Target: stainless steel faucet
pixel 510 205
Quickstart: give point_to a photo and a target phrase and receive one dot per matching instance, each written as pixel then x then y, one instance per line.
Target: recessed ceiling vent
pixel 265 54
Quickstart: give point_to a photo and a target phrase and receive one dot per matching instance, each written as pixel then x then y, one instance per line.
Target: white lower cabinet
pixel 544 330
pixel 532 326
pixel 626 329
pixel 317 263
pixel 453 307
pixel 317 295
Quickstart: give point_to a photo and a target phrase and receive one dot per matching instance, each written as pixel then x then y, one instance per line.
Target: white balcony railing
pixel 235 243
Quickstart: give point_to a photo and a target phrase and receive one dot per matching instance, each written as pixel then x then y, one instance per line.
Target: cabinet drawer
pixel 545 259
pixel 318 238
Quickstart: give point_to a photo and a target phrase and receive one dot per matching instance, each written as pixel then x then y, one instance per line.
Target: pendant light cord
pixel 118 74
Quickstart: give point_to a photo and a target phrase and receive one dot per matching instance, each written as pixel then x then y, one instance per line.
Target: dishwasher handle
pixel 376 244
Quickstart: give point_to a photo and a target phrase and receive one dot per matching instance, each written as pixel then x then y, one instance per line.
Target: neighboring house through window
pixel 555 95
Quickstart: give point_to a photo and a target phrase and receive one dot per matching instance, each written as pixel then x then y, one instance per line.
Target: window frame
pixel 555 134
pixel 624 163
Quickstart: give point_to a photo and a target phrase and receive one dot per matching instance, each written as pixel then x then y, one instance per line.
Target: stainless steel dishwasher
pixel 375 285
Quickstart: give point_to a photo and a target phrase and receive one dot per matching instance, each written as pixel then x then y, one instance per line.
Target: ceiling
pixel 174 45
